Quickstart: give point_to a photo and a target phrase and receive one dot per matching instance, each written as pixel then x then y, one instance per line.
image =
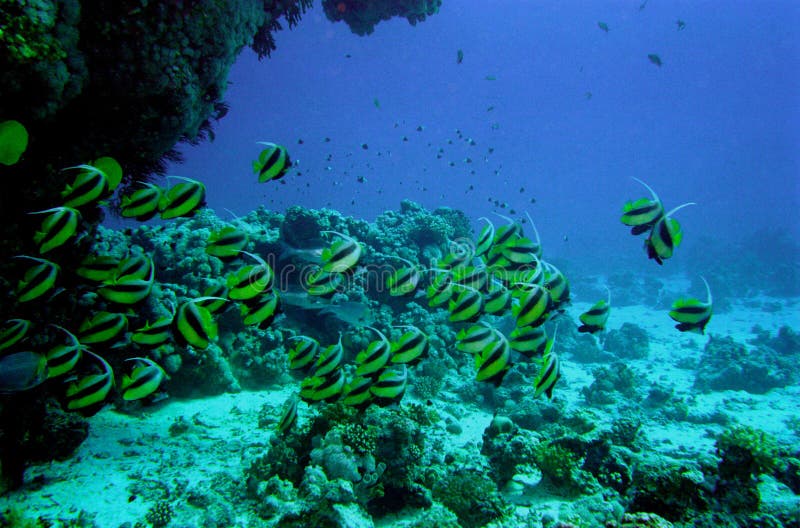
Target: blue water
pixel 718 123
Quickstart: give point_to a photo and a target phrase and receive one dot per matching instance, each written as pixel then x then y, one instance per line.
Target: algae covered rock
pixel 729 365
pixel 630 341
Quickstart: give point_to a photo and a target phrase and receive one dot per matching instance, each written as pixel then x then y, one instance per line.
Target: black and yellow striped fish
pixel 272 162
pixel 250 281
pixel 322 283
pixel 60 224
pixel 13 331
pixel 642 214
pixel 595 318
pixel 411 347
pixel 475 277
pixel 441 290
pixel 467 306
pixel 556 284
pixel 102 327
pixel 155 334
pixel 226 243
pixel 143 381
pixel 549 372
pixel 261 311
pixel 497 299
pixel 89 185
pixel 195 325
pixel 530 341
pixel 183 199
pixel 143 203
pixel 98 268
pixel 88 393
pixel 341 255
pixel 327 388
pixel 288 417
pixel 404 280
pixel 304 352
pixel 370 362
pixel 665 236
pixel 692 315
pixel 129 289
pixel 215 298
pixel 493 361
pixel 390 386
pixel 329 359
pixel 485 238
pixel 475 338
pixel 38 279
pixel 356 393
pixel 62 357
pixel 533 304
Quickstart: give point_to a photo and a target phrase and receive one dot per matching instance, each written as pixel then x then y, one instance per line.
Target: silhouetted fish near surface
pixel 655 59
pixel 459 56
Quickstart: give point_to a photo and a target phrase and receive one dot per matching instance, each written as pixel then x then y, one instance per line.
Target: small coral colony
pixel 501 272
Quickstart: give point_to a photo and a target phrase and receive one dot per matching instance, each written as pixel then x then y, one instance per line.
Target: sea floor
pixel 196 445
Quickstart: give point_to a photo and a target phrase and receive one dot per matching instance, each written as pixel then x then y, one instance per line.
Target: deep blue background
pixel 718 123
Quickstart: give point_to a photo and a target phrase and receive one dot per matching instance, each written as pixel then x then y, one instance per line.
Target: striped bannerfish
pixel 485 238
pixel 153 335
pixel 98 268
pixel 129 289
pixel 329 387
pixel 89 185
pixel 371 361
pixel 390 386
pixel 13 331
pixel 102 327
pixel 60 224
pixel 341 255
pixel 461 254
pixel 272 162
pixel 133 267
pixel 288 417
pixel 497 299
pixel 507 233
pixel 226 243
pixel 529 341
pixel 88 393
pixel 692 315
pixel 475 277
pixel 411 347
pixel 194 324
pixel 665 236
pixel 304 353
pixel 475 338
pixel 183 199
pixel 143 203
pixel 556 284
pixel 63 357
pixel 322 283
pixel 642 214
pixel 357 392
pixel 216 298
pixel 440 290
pixel 550 371
pixel 467 306
pixel 403 280
pixel 533 305
pixel 520 251
pixel 38 279
pixel 595 318
pixel 493 361
pixel 144 379
pixel 261 311
pixel 329 359
pixel 250 281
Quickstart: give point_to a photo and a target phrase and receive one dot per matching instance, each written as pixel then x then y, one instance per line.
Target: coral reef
pixel 362 16
pixel 629 342
pixel 729 365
